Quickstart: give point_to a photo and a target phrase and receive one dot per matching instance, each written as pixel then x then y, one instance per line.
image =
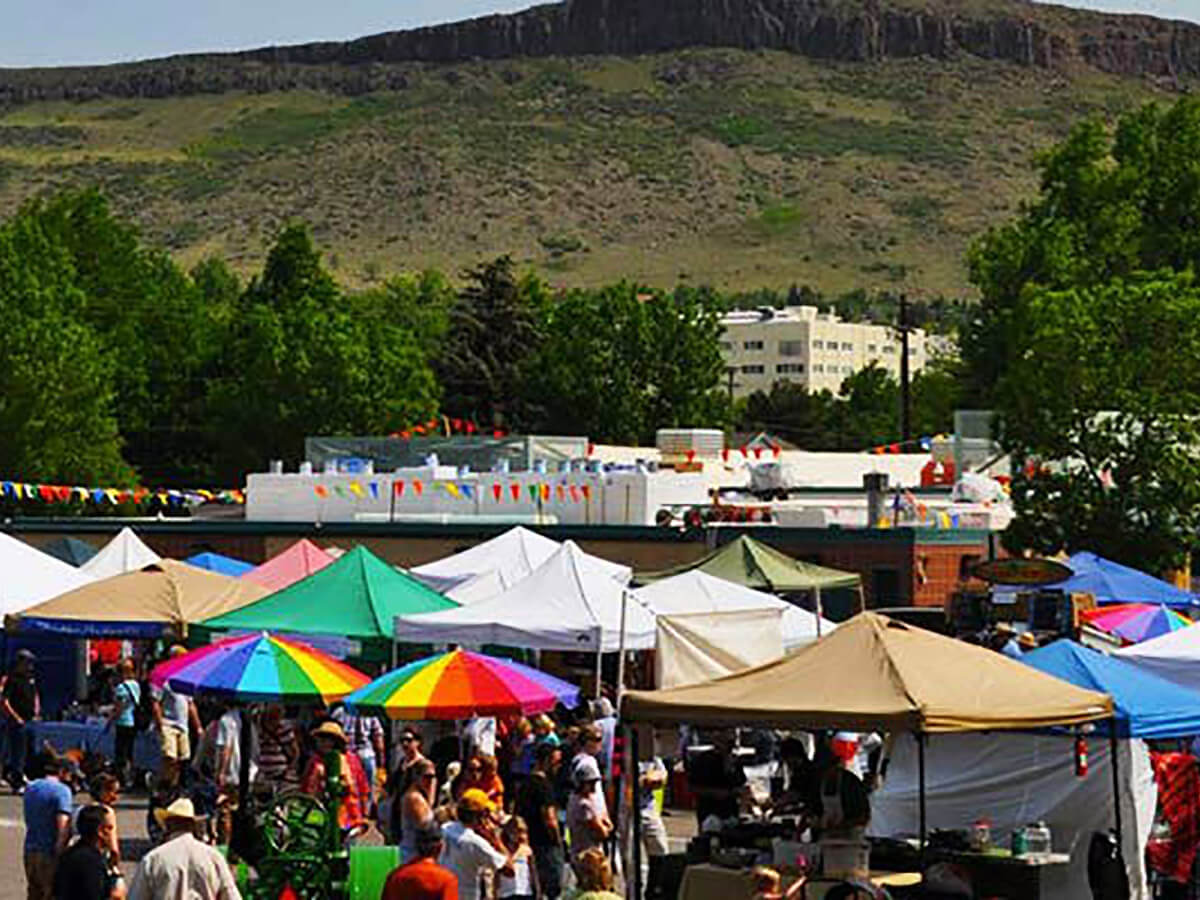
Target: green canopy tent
pixel 747 562
pixel 357 596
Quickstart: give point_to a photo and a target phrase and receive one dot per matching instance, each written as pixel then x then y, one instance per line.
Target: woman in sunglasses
pixel 414 811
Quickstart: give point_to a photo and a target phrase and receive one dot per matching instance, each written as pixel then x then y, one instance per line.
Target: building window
pixel 752 345
pixel 726 346
pixel 790 369
pixel 847 346
pixel 872 348
pixel 847 370
pixel 818 345
pixel 753 370
pixel 889 348
pixel 791 348
pixel 818 368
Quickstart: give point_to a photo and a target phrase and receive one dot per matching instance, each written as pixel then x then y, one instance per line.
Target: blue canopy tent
pixel 222 565
pixel 1146 706
pixel 1112 582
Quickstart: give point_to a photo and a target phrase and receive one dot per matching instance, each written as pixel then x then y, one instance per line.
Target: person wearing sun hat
pixel 182 866
pixel 588 824
pixel 471 848
pixel 330 744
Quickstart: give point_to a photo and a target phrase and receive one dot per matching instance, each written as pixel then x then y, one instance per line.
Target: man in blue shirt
pixel 47 823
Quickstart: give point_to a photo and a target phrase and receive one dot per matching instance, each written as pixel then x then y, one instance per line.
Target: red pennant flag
pixel 895 448
pixel 470 427
pixel 516 491
pixel 591 448
pixel 545 492
pixel 691 455
pixel 742 448
pixel 497 434
pixel 758 452
pixel 321 491
pixel 574 494
pixel 64 493
pixel 497 490
pixel 587 490
pixel 725 454
pixel 46 493
pixel 398 487
pixel 776 450
pixel 561 493
pixel 288 893
pixel 406 434
pixel 432 424
pixel 418 487
pixel 420 429
pixel 456 424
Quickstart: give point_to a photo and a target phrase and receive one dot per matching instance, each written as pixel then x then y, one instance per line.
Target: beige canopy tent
pixel 166 595
pixel 875 673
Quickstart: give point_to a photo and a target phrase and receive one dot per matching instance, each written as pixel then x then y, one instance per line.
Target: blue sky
pixel 65 32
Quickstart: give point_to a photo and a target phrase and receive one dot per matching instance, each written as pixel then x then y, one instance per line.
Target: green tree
pixel 303 360
pixel 57 409
pixel 790 411
pixel 1099 414
pixel 495 330
pixel 1111 203
pixel 621 362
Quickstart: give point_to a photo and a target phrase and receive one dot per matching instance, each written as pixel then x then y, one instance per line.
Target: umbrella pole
pixel 244 747
pixel 1114 747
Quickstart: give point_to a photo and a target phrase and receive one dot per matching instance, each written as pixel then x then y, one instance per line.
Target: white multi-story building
pixel 803 345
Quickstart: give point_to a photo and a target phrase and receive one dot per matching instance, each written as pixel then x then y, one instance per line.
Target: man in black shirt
pixel 716 778
pixel 82 872
pixel 536 805
pixel 19 705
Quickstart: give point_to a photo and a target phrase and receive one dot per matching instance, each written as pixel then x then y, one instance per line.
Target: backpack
pixel 1106 868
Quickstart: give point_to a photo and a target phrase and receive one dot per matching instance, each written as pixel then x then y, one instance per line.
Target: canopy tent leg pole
pixel 621 649
pixel 862 598
pixel 1114 747
pixel 245 746
pixel 635 814
pixel 920 736
pixel 599 666
pixel 819 609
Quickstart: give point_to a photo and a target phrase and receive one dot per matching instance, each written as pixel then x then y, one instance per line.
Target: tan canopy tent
pixel 165 595
pixel 875 673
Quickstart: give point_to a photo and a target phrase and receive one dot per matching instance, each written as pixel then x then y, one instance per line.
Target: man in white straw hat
pixel 182 866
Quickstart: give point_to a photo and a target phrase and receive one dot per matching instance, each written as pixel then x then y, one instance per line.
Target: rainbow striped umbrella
pixel 1137 622
pixel 461 684
pixel 259 667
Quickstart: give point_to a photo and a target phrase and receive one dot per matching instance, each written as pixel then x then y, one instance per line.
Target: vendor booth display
pixel 569 603
pixel 297 562
pixel 878 674
pixel 124 553
pixel 357 596
pixel 459 685
pixel 697 591
pixel 166 596
pixel 223 565
pixel 502 561
pixel 32 577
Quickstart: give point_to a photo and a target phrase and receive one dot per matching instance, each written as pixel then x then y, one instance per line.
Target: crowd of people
pixel 501 808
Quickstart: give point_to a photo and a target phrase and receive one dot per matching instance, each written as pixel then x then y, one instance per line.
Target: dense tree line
pixel 1086 341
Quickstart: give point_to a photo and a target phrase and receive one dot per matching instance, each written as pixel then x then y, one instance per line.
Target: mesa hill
pixel 839 143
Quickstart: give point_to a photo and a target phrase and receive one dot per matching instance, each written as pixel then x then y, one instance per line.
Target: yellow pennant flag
pixel 357 489
pixel 452 489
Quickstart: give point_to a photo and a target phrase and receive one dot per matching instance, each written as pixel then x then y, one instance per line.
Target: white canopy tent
pixel 124 553
pixel 508 558
pixel 696 647
pixel 569 602
pixel 1174 656
pixel 696 591
pixel 31 576
pixel 1015 779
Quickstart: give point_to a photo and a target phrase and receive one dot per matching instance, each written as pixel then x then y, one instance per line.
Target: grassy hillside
pixel 735 168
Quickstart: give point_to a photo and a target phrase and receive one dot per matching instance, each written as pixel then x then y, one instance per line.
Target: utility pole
pixel 905 379
pixel 729 370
